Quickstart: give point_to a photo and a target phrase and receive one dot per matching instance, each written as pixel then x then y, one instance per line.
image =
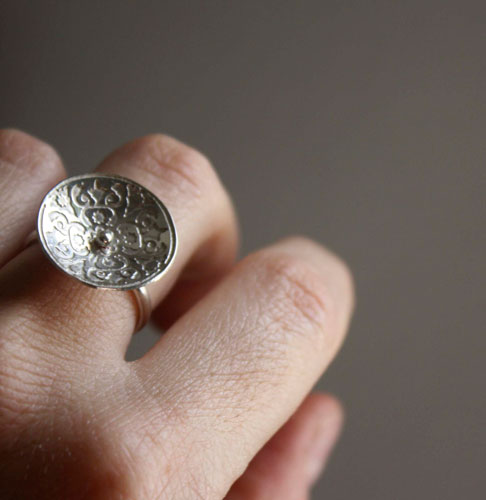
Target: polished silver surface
pixel 143 305
pixel 106 231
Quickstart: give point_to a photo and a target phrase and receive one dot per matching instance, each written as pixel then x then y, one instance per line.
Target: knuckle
pixel 29 153
pixel 182 166
pixel 298 299
pixel 335 273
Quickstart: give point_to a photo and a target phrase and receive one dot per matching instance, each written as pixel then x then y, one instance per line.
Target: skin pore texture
pixel 219 408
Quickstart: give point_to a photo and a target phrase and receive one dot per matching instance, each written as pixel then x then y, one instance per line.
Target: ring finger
pixel 37 297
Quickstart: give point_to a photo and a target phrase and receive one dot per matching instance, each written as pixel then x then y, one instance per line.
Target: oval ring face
pixel 106 231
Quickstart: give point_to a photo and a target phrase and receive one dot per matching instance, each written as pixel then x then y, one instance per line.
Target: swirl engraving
pixel 106 231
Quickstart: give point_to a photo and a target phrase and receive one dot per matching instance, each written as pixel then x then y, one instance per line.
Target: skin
pixel 219 407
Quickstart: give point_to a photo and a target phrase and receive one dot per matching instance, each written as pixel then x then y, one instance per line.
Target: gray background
pixel 361 124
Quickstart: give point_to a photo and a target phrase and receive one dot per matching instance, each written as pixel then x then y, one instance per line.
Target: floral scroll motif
pixel 107 231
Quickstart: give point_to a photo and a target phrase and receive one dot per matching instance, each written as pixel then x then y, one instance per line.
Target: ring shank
pixel 143 305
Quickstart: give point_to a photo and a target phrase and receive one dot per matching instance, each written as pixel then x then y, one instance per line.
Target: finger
pixel 192 284
pixel 28 168
pixel 67 313
pixel 290 462
pixel 244 357
pixel 188 185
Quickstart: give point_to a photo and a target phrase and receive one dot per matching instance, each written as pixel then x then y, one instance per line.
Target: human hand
pixel 195 416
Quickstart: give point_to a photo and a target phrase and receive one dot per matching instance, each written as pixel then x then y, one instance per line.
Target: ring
pixel 108 232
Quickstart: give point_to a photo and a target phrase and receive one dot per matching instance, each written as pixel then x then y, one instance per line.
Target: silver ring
pixel 108 232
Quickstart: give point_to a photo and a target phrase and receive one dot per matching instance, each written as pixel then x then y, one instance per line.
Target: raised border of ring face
pixel 173 239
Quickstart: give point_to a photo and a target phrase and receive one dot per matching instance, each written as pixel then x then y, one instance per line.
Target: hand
pixel 195 416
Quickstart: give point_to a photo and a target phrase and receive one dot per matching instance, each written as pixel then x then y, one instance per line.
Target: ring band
pixel 108 232
pixel 143 305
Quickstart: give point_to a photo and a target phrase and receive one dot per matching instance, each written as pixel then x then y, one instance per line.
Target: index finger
pixel 237 365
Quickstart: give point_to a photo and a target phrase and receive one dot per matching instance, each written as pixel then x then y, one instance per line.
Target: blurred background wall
pixel 359 123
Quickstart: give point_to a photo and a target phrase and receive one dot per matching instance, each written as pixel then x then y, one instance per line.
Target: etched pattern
pixel 106 231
